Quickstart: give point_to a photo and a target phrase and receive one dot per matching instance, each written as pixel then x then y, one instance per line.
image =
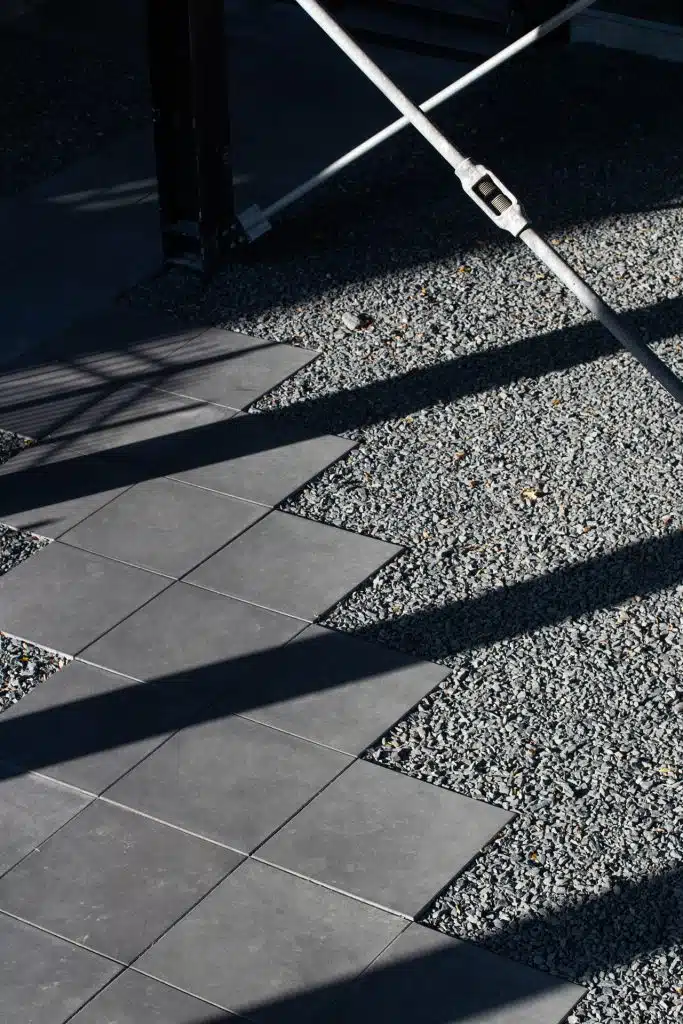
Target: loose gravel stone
pixel 533 473
pixel 22 665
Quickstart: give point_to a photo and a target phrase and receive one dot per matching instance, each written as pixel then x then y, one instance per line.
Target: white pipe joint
pixel 491 196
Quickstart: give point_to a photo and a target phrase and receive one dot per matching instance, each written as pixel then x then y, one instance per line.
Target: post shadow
pixel 57 477
pixel 34 740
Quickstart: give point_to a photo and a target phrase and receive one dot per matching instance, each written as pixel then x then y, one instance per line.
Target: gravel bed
pixel 22 665
pixel 533 474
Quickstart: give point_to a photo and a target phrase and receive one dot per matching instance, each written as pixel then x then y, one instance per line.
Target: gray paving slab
pixel 64 598
pixel 134 999
pixel 203 642
pixel 113 880
pixel 165 525
pixel 264 459
pixel 31 809
pixel 293 565
pixel 385 837
pixel 119 344
pixel 85 726
pixel 335 689
pixel 230 780
pixel 232 369
pixel 44 976
pixel 428 977
pixel 281 123
pixel 286 937
pixel 152 427
pixel 40 398
pixel 44 493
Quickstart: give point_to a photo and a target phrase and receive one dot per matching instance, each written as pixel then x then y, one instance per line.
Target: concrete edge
pixel 649 38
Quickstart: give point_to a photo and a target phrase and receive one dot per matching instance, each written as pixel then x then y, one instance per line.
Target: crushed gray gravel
pixel 22 665
pixel 533 473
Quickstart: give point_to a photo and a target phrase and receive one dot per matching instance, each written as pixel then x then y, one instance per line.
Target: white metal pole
pixel 410 111
pixel 481 70
pixel 494 199
pixel 607 317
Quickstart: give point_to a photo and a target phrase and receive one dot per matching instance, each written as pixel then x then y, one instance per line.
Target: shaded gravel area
pixel 22 666
pixel 69 85
pixel 533 473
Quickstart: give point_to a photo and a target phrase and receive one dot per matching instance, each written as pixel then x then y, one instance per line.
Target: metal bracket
pixel 254 222
pixel 491 196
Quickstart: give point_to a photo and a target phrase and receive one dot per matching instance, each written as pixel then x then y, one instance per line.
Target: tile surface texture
pixel 165 526
pixel 63 598
pixel 31 809
pixel 428 977
pixel 293 565
pixel 385 837
pixel 337 690
pixel 167 433
pixel 232 369
pixel 44 494
pixel 85 726
pixel 230 780
pixel 286 937
pixel 202 641
pixel 134 999
pixel 113 880
pixel 44 976
pixel 263 458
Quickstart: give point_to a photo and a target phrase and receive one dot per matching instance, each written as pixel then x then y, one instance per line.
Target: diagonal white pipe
pixel 503 208
pixel 449 91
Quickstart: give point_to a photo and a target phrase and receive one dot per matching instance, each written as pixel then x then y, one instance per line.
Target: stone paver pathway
pixel 187 832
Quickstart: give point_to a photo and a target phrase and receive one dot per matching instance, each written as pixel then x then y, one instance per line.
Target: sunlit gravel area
pixel 533 473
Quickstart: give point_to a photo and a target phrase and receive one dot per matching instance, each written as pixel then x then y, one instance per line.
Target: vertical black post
pixel 188 73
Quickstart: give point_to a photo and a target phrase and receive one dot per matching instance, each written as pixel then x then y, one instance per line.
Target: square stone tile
pixel 335 689
pixel 293 565
pixel 134 999
pixel 232 369
pixel 165 525
pixel 286 938
pixel 113 880
pixel 203 642
pixel 64 598
pixel 44 493
pixel 159 430
pixel 265 458
pixel 229 780
pixel 428 977
pixel 123 344
pixel 44 979
pixel 385 837
pixel 85 726
pixel 38 396
pixel 31 809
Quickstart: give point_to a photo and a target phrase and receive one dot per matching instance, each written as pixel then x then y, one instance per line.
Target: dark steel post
pixel 188 73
